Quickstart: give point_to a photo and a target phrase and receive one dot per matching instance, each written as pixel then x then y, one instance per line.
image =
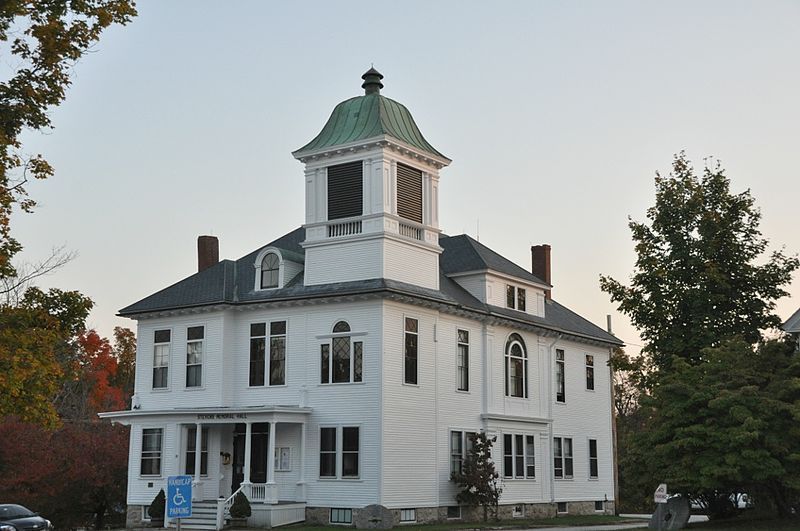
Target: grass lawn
pixel 516 523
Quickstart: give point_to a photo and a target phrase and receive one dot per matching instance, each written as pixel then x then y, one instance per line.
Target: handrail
pixel 224 506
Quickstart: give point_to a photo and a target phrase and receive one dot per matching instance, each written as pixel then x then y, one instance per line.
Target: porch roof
pixel 212 415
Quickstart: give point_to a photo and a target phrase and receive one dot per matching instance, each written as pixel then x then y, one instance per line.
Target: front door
pixel 259 445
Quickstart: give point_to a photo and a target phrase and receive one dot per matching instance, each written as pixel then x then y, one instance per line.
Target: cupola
pixel 372 182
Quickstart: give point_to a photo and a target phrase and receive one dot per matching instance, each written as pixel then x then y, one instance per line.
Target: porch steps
pixel 204 517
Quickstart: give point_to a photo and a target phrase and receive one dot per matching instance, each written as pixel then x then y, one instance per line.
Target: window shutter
pixel 409 193
pixel 345 190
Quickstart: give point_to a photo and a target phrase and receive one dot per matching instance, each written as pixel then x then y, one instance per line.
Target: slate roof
pixel 462 254
pixel 231 282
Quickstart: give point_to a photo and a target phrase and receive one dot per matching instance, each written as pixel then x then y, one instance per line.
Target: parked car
pixel 18 518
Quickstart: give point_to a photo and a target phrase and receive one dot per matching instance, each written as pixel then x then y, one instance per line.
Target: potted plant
pixel 156 509
pixel 240 510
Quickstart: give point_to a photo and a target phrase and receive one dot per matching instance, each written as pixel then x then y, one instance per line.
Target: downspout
pixel 551 355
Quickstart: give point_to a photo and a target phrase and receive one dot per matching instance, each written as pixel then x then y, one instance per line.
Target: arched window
pixel 516 367
pixel 341 359
pixel 270 267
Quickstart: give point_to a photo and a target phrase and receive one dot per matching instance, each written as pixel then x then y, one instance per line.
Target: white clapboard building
pixel 346 364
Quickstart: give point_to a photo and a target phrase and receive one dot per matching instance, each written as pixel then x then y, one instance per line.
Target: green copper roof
pixel 369 116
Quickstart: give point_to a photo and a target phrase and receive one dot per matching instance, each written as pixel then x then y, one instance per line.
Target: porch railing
pixel 255 492
pixel 224 507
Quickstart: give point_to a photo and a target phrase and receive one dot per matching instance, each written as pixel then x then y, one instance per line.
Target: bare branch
pixel 12 288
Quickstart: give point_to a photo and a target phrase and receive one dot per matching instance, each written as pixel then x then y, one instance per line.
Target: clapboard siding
pixel 346 261
pixel 410 264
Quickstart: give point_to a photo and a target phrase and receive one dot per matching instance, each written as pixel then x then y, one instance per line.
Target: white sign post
pixel 661 495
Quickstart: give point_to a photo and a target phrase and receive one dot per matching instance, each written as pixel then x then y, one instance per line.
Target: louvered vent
pixel 409 193
pixel 345 190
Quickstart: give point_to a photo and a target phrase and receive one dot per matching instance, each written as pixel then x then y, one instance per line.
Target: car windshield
pixel 10 512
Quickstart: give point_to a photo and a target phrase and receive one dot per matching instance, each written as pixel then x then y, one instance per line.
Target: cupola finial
pixel 372 81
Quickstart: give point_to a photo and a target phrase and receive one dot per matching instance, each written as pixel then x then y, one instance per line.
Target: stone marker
pixel 374 517
pixel 671 515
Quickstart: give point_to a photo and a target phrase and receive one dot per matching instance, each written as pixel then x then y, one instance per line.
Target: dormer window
pixel 515 298
pixel 270 269
pixel 345 190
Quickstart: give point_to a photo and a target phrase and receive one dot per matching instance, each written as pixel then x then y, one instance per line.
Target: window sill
pixel 338 383
pixel 570 478
pixel 160 389
pixel 148 477
pixel 560 403
pixel 514 480
pixel 410 384
pixel 348 480
pixel 194 388
pixel 266 386
pixel 463 391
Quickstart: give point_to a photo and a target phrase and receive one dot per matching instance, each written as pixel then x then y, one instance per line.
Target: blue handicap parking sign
pixel 179 496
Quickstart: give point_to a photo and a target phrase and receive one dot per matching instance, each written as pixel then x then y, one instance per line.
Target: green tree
pixel 728 425
pixel 36 353
pixel 698 278
pixel 478 478
pixel 43 39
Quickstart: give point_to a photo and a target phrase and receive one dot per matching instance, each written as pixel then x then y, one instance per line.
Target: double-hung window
pixel 593 458
pixel 560 384
pixel 270 269
pixel 562 457
pixel 151 452
pixel 341 360
pixel 339 452
pixel 519 456
pixel 589 372
pixel 516 367
pixel 462 361
pixel 411 343
pixel 191 450
pixel 161 346
pixel 515 297
pixel 194 356
pixel 460 446
pixel 275 366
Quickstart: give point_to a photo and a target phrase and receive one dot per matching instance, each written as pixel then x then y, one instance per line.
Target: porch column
pixel 301 483
pixel 248 433
pixel 198 454
pixel 272 488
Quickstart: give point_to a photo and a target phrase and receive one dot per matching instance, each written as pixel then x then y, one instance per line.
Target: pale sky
pixel 556 116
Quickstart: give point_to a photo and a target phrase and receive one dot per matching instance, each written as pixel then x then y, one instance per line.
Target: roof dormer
pixel 273 270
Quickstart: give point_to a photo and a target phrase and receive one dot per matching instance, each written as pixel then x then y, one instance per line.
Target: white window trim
pixel 589 458
pixel 507 366
pixel 403 346
pixel 257 265
pixel 330 516
pixel 587 366
pixel 161 451
pixel 564 476
pixel 338 476
pixel 329 341
pixel 185 448
pixel 563 374
pixel 278 459
pixel 169 359
pixel 186 364
pixel 464 441
pixel 514 455
pixel 267 331
pixel 458 351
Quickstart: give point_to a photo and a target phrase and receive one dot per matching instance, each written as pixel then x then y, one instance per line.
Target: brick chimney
pixel 207 252
pixel 540 258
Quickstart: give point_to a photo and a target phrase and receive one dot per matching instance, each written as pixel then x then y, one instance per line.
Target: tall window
pixel 258 336
pixel 191 450
pixel 341 360
pixel 592 458
pixel 590 372
pixel 521 299
pixel 510 296
pixel 277 353
pixel 327 453
pixel 462 361
pixel 270 267
pixel 347 455
pixel 560 387
pixel 194 356
pixel 562 454
pixel 350 448
pixel 345 190
pixel 151 452
pixel 411 351
pixel 161 342
pixel 518 456
pixel 460 445
pixel 516 367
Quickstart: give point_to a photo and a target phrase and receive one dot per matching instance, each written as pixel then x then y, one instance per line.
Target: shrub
pixel 240 507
